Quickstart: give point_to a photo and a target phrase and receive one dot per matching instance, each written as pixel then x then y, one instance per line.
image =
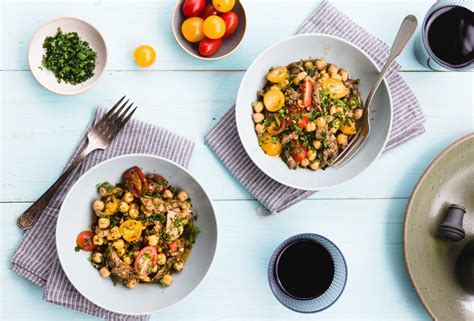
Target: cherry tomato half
pixel 135 181
pixel 298 117
pixel 208 47
pixel 223 5
pixel 131 230
pixel 146 259
pixel 84 241
pixel 214 27
pixel 278 126
pixel 193 8
pixel 209 10
pixel 156 183
pixel 192 29
pixel 231 22
pixel 144 56
pixel 298 153
pixel 307 92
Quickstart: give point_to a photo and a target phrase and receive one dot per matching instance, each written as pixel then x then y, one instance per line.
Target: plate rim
pixel 408 208
pixel 85 88
pixel 131 156
pixel 239 126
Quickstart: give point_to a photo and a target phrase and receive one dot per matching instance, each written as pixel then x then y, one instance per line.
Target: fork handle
pixel 406 30
pixel 31 215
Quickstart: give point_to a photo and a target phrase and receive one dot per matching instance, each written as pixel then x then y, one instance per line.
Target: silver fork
pixel 99 137
pixel 406 30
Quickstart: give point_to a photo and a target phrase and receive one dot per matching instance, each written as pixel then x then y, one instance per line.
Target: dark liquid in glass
pixel 305 269
pixel 450 32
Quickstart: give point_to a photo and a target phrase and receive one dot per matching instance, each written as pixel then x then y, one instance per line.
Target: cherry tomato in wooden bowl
pixel 208 47
pixel 209 10
pixel 223 5
pixel 192 29
pixel 214 27
pixel 231 20
pixel 193 8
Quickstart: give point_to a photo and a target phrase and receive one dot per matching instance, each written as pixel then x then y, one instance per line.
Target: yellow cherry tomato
pixel 277 75
pixel 192 29
pixel 336 87
pixel 214 27
pixel 144 56
pixel 223 5
pixel 273 100
pixel 271 145
pixel 349 128
pixel 131 230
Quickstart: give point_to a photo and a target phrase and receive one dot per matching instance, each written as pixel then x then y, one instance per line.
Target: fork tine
pixel 355 148
pixel 122 121
pixel 110 113
pixel 108 123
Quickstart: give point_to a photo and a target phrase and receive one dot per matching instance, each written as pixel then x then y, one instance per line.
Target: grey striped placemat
pixel 36 257
pixel 408 117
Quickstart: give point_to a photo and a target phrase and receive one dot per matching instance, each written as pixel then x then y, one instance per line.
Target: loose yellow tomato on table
pixel 223 5
pixel 131 230
pixel 192 29
pixel 271 145
pixel 273 100
pixel 144 56
pixel 214 27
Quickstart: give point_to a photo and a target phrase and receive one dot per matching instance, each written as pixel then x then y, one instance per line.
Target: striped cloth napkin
pixel 408 117
pixel 36 257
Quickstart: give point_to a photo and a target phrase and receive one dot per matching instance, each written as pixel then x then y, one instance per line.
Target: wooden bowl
pixel 229 45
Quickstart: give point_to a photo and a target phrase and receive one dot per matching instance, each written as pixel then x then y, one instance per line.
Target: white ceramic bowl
pixel 75 216
pixel 86 32
pixel 336 51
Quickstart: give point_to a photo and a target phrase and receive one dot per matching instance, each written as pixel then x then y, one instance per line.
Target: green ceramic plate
pixel 431 262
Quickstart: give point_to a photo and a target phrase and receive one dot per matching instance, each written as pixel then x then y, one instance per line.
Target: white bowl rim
pixel 92 84
pixel 240 129
pixel 68 195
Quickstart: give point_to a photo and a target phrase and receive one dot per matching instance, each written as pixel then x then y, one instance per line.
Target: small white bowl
pixel 335 51
pixel 86 32
pixel 76 214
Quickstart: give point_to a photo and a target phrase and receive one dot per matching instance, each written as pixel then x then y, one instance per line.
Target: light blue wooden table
pixel 364 218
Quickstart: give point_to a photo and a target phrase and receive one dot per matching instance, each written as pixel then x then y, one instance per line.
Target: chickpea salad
pixel 307 113
pixel 143 230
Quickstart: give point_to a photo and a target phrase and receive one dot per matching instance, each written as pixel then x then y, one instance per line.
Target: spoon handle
pixel 406 30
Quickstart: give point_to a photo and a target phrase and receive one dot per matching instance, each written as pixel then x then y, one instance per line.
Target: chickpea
pixel 339 109
pixel 311 127
pixel 167 279
pixel 104 272
pixel 161 259
pixel 133 213
pixel 349 113
pixel 332 69
pixel 182 196
pixel 332 110
pixel 300 77
pixel 133 283
pixel 333 130
pixel 117 191
pixel 97 240
pixel 358 113
pixel 97 257
pixel 317 144
pixel 258 117
pixel 124 207
pixel 260 128
pixel 98 205
pixel 304 162
pixel 258 107
pixel 324 76
pixel 178 266
pixel 127 260
pixel 128 197
pixel 103 191
pixel 352 102
pixel 308 64
pixel 104 222
pixel 342 139
pixel 314 165
pixel 320 64
pixel 102 233
pixel 115 233
pixel 320 122
pixel 284 83
pixel 153 240
pixel 344 75
pixel 311 155
pixel 167 194
pixel 119 244
pixel 336 76
pixel 121 252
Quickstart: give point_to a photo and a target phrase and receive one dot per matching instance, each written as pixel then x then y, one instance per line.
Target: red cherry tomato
pixel 146 258
pixel 278 126
pixel 85 241
pixel 299 152
pixel 209 10
pixel 307 92
pixel 193 8
pixel 208 47
pixel 135 181
pixel 231 22
pixel 297 116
